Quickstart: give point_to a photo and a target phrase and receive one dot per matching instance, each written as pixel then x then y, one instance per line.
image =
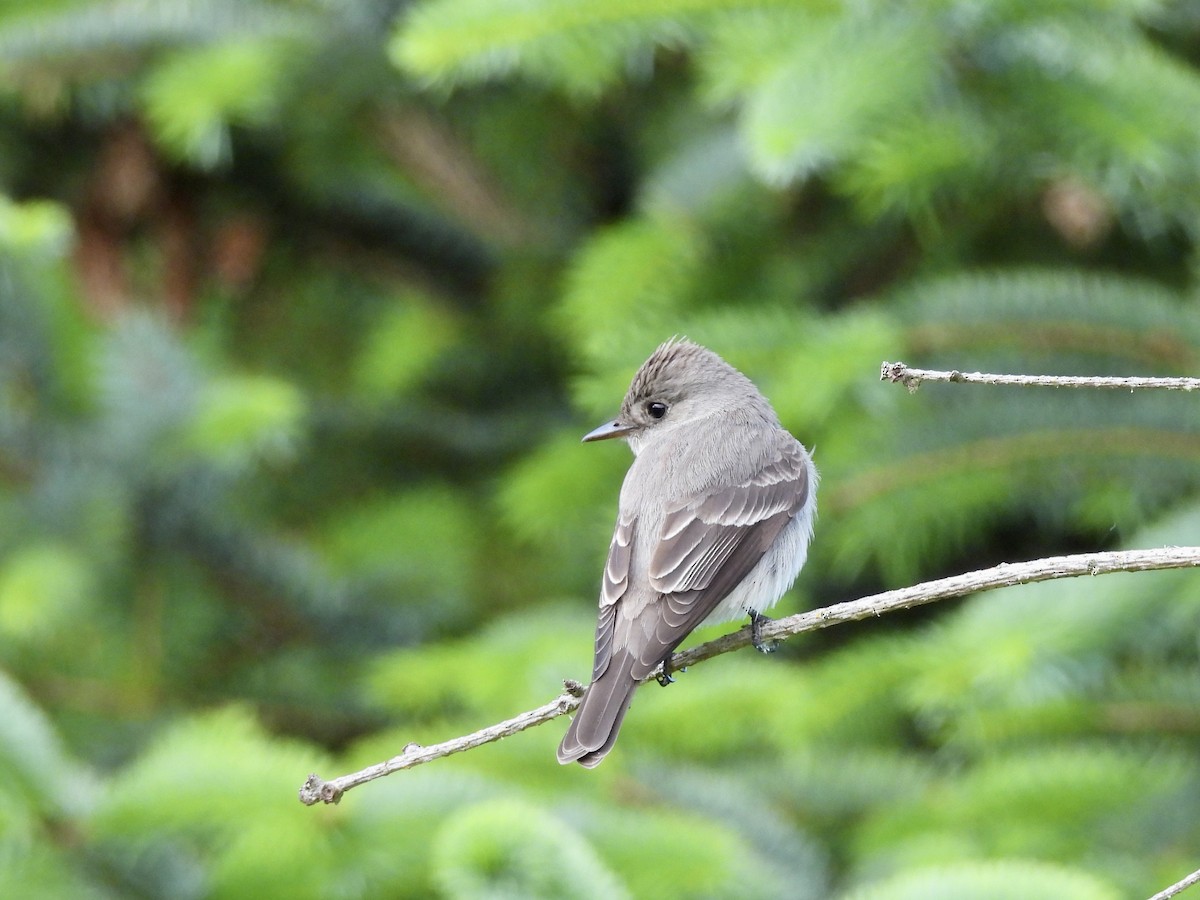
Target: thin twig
pixel 911 378
pixel 1178 887
pixel 316 789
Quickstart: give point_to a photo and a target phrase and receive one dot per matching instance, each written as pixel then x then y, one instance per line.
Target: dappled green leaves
pixel 42 783
pixel 455 678
pixel 810 106
pixel 1067 82
pixel 194 98
pixel 507 849
pixel 35 229
pixel 580 48
pixel 193 786
pixel 205 790
pixel 634 278
pixel 40 777
pixel 42 587
pixel 242 418
pixel 423 545
pixel 402 346
pixel 953 458
pixel 1010 880
pixel 330 498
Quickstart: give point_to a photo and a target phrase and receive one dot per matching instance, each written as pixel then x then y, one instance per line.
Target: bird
pixel 714 521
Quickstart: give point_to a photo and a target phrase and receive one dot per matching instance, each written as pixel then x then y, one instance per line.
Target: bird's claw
pixel 756 623
pixel 664 676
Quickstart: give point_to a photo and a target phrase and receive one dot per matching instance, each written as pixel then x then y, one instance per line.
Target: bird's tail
pixel 593 731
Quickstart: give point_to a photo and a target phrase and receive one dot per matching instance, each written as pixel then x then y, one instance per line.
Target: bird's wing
pixel 612 588
pixel 709 543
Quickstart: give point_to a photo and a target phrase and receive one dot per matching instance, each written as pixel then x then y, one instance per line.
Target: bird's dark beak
pixel 608 430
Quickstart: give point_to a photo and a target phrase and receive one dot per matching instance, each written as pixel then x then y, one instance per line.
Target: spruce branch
pixel 912 378
pixel 316 789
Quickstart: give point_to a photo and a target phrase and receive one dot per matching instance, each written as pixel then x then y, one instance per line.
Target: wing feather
pixel 702 534
pixel 709 543
pixel 612 588
pixel 616 567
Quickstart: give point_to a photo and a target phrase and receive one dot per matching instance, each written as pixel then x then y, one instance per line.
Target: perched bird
pixel 714 521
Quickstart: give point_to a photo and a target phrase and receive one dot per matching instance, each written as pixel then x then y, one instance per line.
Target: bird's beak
pixel 608 430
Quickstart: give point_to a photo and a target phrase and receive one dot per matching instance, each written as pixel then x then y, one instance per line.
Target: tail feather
pixel 594 729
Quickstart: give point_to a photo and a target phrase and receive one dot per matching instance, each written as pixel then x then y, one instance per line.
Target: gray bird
pixel 714 522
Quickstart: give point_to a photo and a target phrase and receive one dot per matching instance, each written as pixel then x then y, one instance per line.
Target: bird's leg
pixel 756 623
pixel 664 673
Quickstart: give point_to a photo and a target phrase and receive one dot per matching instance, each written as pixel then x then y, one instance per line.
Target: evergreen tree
pixel 304 306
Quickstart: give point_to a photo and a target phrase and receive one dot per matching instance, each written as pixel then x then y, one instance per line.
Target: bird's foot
pixel 663 676
pixel 757 620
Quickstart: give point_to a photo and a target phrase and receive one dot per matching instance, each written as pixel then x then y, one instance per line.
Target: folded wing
pixel 710 543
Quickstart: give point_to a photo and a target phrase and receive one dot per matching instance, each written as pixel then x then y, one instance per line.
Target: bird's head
pixel 680 384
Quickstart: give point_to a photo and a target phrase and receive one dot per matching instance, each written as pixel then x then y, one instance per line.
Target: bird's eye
pixel 656 410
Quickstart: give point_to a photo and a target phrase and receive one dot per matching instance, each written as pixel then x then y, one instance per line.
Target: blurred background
pixel 305 304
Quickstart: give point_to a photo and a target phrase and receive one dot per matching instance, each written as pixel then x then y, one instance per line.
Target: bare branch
pixel 1178 887
pixel 316 789
pixel 911 378
pixel 1003 575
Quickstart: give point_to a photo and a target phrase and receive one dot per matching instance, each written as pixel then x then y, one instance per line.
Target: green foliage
pixel 994 881
pixel 828 779
pixel 1024 805
pixel 42 588
pixel 304 308
pixel 205 791
pixel 677 853
pixel 39 775
pixel 423 544
pixel 40 872
pixel 810 106
pixel 193 98
pixel 38 34
pixel 963 462
pixel 182 791
pixel 580 48
pixel 241 418
pixel 41 782
pixel 577 536
pixel 786 859
pixel 454 677
pixel 33 229
pixel 634 276
pixel 506 849
pixel 400 350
